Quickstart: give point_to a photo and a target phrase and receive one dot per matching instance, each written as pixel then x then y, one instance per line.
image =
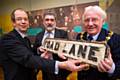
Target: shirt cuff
pixel 38 52
pixel 112 70
pixel 56 67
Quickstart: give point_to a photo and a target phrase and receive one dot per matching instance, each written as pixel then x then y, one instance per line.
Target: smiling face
pixel 49 22
pixel 21 21
pixel 92 22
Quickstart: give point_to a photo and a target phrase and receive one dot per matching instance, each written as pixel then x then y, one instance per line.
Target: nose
pixel 23 21
pixel 49 21
pixel 90 22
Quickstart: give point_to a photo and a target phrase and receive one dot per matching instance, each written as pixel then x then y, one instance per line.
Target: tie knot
pixel 49 34
pixel 90 38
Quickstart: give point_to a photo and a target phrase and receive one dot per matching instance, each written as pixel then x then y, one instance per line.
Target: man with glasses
pixel 109 68
pixel 49 21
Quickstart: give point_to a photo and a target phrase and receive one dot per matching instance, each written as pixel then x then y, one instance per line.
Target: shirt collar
pixel 52 32
pixel 22 34
pixel 95 36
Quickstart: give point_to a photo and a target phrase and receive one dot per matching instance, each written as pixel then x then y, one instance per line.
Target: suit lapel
pixel 19 37
pixel 57 34
pixel 41 35
pixel 102 35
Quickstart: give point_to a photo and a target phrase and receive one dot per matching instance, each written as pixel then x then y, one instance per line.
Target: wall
pixel 6 6
pixel 5 23
pixel 114 16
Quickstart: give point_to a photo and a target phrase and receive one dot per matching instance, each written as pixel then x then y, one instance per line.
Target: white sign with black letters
pixel 88 52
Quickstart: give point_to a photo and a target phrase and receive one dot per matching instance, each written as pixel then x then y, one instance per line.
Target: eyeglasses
pixel 50 20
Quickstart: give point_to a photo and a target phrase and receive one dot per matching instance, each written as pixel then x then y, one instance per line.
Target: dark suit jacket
pixel 0 50
pixel 58 34
pixel 19 62
pixel 38 42
pixel 93 73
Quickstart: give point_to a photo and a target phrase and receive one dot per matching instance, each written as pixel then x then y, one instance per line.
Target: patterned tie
pixel 90 38
pixel 48 35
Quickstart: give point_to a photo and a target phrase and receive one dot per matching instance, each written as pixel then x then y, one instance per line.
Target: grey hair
pixel 95 9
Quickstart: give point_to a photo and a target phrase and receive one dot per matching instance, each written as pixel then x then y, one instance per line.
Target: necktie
pixel 27 41
pixel 90 38
pixel 48 35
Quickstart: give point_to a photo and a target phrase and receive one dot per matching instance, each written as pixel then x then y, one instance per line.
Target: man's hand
pixel 106 64
pixel 46 54
pixel 61 55
pixel 71 65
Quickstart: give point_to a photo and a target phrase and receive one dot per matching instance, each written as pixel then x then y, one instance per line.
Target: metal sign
pixel 88 52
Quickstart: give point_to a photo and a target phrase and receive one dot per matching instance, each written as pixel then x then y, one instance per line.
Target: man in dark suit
pixel 49 21
pixel 18 60
pixel 109 68
pixel 0 50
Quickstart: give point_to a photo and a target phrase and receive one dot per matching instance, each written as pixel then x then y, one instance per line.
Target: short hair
pixel 97 10
pixel 13 13
pixel 49 12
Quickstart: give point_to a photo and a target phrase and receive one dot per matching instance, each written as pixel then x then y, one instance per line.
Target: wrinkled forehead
pixel 92 14
pixel 49 17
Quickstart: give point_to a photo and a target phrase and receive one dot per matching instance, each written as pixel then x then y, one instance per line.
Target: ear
pixel 13 23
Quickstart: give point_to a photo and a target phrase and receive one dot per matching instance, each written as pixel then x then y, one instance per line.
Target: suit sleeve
pixel 65 35
pixel 114 44
pixel 36 44
pixel 20 54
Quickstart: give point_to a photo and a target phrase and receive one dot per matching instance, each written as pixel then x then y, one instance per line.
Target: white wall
pixel 6 6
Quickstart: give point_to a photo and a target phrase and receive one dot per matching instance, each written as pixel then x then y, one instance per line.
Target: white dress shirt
pixel 22 34
pixel 51 35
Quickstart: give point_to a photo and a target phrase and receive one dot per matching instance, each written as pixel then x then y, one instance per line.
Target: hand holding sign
pixel 88 52
pixel 106 64
pixel 71 65
pixel 45 54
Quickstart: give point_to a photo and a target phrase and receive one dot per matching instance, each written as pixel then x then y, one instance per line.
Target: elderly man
pixel 109 68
